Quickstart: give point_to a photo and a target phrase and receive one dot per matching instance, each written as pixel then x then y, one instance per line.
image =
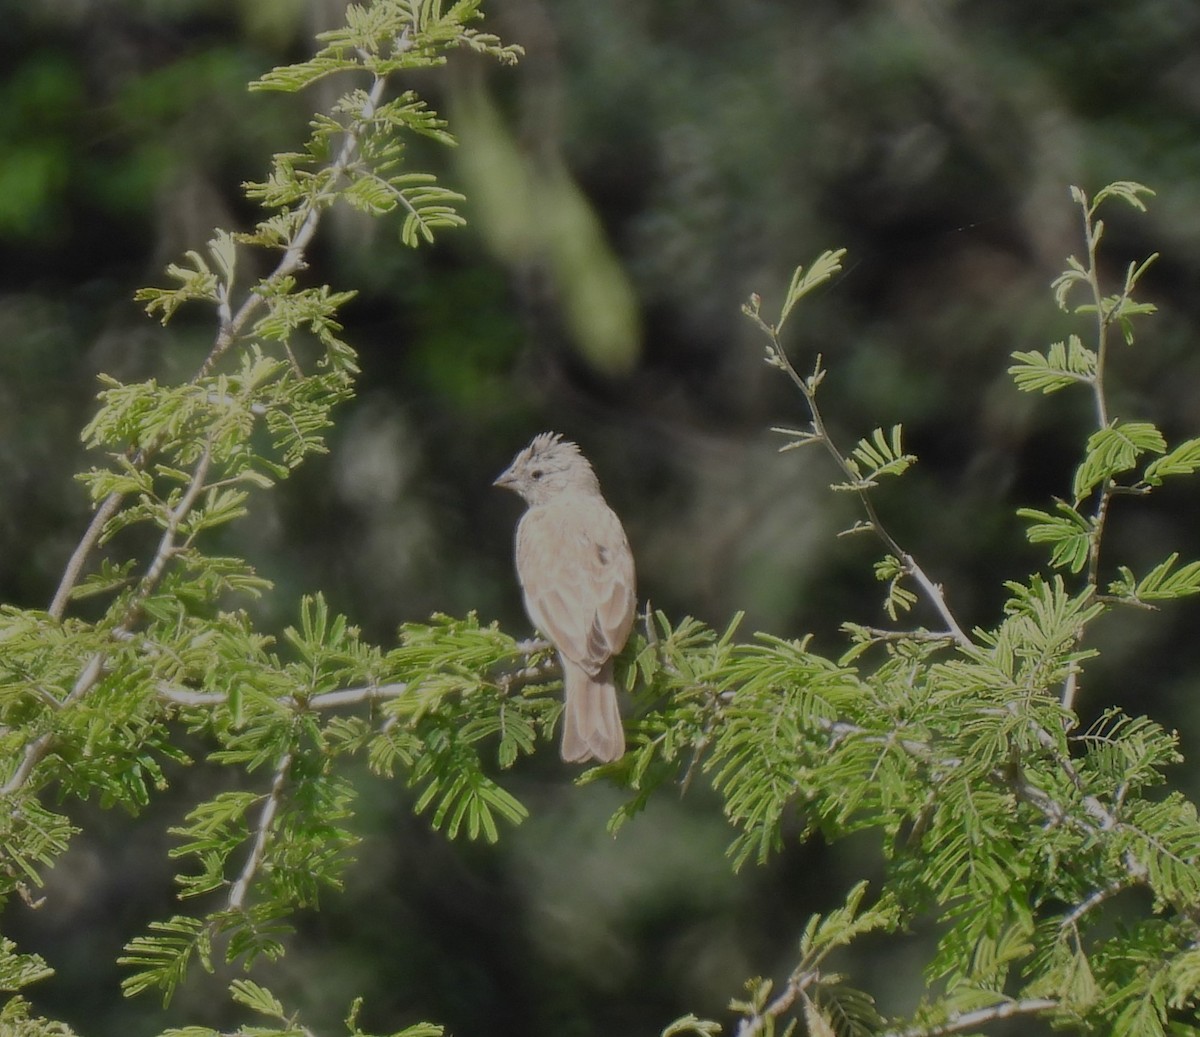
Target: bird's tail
pixel 591 720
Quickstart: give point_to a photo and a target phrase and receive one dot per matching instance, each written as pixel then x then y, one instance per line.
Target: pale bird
pixel 576 571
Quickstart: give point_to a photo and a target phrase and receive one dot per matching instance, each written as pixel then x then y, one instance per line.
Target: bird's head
pixel 549 466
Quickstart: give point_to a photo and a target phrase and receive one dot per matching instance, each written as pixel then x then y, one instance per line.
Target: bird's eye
pixel 537 473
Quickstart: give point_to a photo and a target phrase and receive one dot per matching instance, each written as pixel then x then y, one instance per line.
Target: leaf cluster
pixel 147 646
pixel 1021 836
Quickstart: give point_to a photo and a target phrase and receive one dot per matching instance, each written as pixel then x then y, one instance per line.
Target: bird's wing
pixel 576 570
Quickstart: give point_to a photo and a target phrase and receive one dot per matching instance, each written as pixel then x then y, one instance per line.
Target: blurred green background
pixel 648 165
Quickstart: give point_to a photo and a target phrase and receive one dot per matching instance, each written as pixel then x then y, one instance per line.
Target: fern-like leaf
pixel 1063 364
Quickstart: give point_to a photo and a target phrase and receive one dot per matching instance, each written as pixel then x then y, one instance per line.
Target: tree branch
pixel 237 894
pixel 1102 320
pixel 108 508
pixel 797 983
pixel 1094 900
pixel 933 592
pixel 960 1022
pixel 181 695
pixel 167 542
pixel 34 753
pixel 229 329
pixel 89 676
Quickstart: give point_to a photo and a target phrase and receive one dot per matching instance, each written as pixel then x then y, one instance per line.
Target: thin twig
pixel 154 572
pixel 881 634
pixel 353 696
pixel 1091 804
pixel 1107 490
pixel 182 696
pixel 1036 797
pixel 958 1023
pixel 1098 523
pixel 237 894
pixel 34 753
pixel 167 542
pixel 293 256
pixel 1093 279
pixel 93 669
pixel 1072 917
pixel 933 592
pixel 87 678
pixel 922 751
pixel 1070 687
pixel 796 985
pixel 108 508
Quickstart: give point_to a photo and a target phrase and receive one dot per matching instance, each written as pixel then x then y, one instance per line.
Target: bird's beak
pixel 505 479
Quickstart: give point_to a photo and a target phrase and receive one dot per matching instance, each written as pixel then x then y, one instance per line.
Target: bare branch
pixel 879 634
pixel 1102 320
pixel 182 696
pixel 237 895
pixel 933 592
pixel 87 678
pixel 1072 917
pixel 1091 804
pixel 34 753
pixel 167 542
pixel 353 696
pixel 1070 687
pixel 108 508
pixel 964 1021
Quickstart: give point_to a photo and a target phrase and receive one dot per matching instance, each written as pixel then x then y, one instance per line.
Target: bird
pixel 576 572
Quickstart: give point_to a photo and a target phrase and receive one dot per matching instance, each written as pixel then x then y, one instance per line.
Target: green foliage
pixel 268 852
pixel 19 970
pixel 259 1000
pixel 385 38
pixel 692 1024
pixel 1070 533
pixel 1000 822
pixel 1063 364
pixel 891 570
pixel 824 267
pixel 876 456
pixel 16 1020
pixel 1113 450
pixel 95 708
pixel 828 1006
pixel 1183 460
pixel 1162 583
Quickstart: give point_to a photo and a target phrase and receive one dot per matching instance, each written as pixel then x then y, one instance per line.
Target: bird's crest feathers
pixel 552 445
pixel 549 465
